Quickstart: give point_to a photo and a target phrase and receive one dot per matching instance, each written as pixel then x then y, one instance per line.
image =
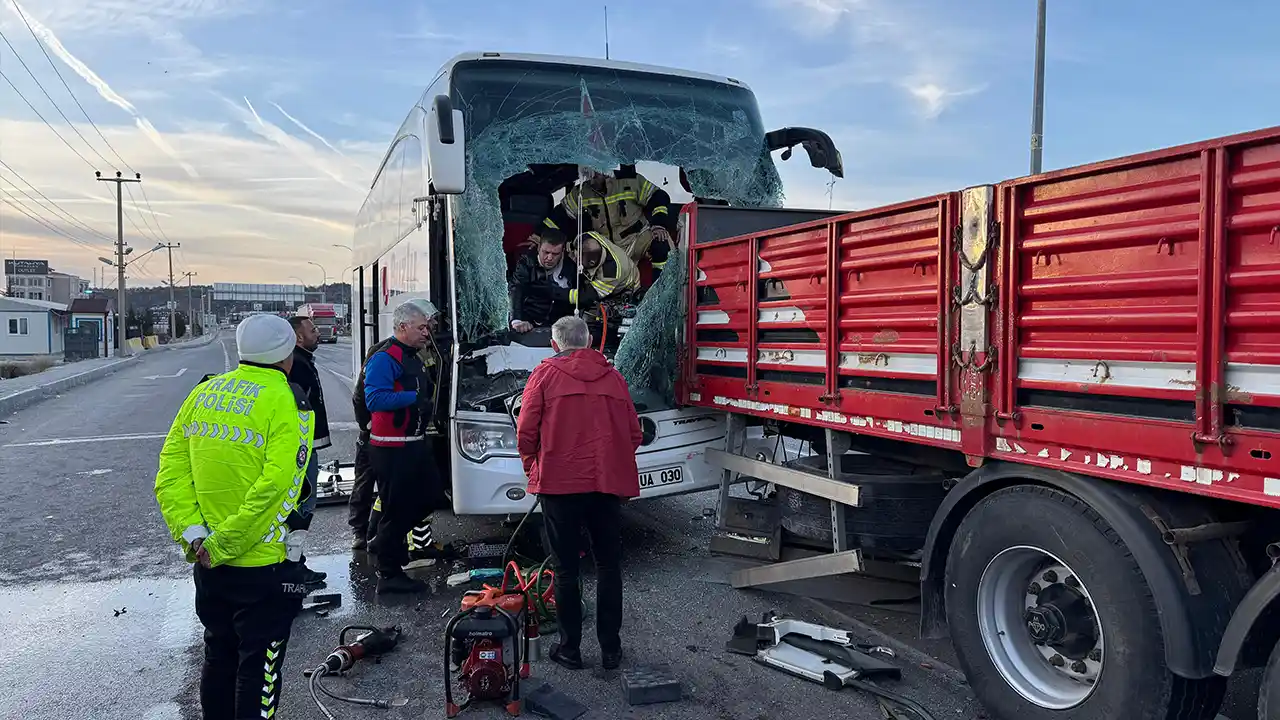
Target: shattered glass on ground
pixel 719 143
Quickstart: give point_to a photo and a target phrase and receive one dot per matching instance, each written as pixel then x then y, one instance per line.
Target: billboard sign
pixel 26 267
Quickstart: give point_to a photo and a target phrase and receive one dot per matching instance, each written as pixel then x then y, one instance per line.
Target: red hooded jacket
pixel 578 431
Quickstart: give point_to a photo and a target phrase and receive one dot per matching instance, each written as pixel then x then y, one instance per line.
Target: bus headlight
pixel 479 442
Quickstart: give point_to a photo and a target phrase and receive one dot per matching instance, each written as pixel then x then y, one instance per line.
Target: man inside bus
pixel 632 212
pixel 400 395
pixel 540 283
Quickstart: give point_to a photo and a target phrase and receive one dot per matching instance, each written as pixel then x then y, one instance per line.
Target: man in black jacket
pixel 540 283
pixel 304 375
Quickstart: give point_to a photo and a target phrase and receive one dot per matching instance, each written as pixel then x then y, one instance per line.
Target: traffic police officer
pixel 229 484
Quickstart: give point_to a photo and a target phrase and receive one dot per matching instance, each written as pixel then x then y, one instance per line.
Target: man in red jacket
pixel 577 434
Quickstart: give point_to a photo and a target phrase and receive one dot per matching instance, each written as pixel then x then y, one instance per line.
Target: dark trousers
pixel 564 517
pixel 247 614
pixel 360 505
pixel 409 490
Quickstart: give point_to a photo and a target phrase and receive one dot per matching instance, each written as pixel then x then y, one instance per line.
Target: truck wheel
pixel 1269 693
pixel 1051 618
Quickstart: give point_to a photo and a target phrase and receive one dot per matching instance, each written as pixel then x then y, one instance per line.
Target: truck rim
pixel 1039 626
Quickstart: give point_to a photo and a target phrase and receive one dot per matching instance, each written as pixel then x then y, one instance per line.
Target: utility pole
pixel 173 305
pixel 191 308
pixel 122 332
pixel 1037 106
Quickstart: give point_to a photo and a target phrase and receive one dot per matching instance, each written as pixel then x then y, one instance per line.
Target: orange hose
pixel 604 330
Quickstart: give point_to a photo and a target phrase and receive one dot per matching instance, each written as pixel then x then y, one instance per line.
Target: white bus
pixel 479 161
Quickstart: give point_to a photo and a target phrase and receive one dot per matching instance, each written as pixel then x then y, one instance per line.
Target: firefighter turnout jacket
pixel 233 464
pixel 624 210
pixel 616 274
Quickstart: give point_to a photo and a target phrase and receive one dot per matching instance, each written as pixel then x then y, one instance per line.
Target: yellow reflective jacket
pixel 233 465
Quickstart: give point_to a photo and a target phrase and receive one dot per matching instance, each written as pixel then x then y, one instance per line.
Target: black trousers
pixel 409 489
pixel 360 505
pixel 564 517
pixel 247 614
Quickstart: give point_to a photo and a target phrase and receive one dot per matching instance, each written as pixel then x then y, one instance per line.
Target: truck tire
pixel 1051 618
pixel 1269 692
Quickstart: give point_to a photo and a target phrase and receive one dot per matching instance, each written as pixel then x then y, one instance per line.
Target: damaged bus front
pixel 478 166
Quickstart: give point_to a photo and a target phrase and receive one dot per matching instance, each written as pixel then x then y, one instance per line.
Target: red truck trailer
pixel 1058 397
pixel 325 318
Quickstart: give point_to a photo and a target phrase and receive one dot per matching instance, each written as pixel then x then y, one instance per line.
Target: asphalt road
pixel 96 603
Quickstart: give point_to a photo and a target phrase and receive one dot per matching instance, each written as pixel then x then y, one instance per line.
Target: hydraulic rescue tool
pixel 372 643
pixel 821 654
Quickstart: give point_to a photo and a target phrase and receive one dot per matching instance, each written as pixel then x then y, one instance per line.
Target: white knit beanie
pixel 265 339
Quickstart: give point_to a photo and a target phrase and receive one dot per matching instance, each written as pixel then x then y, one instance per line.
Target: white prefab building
pixel 31 327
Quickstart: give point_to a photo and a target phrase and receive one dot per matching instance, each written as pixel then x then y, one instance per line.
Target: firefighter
pixel 632 212
pixel 230 481
pixel 607 271
pixel 400 394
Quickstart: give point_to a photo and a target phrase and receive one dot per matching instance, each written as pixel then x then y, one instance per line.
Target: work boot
pixel 611 659
pixel 565 658
pixel 309 576
pixel 389 584
pixel 359 542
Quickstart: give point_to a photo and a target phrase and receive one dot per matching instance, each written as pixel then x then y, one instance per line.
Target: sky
pixel 257 125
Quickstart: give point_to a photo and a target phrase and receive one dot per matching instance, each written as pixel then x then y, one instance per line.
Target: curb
pixel 10 404
pixel 25 398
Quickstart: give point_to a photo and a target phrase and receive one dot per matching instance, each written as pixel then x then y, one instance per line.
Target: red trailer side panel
pixel 1132 327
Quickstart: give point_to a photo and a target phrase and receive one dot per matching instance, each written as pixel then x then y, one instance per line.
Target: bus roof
pixel 572 60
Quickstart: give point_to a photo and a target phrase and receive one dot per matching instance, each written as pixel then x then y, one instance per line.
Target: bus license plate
pixel 664 476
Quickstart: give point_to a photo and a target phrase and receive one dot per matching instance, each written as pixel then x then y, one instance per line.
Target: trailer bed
pixel 1119 320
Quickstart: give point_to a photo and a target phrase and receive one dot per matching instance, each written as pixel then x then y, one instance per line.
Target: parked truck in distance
pixel 1057 397
pixel 324 316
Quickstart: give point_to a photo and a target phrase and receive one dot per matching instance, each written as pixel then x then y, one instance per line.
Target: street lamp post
pixel 1037 105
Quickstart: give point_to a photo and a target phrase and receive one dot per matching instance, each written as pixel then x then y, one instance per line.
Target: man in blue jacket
pixel 400 395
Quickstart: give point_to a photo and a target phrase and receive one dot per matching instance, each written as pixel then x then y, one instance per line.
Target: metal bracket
pixel 958 357
pixel 1178 540
pixel 1222 440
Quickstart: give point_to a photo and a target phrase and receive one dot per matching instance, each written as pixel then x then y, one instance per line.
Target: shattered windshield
pixel 524 113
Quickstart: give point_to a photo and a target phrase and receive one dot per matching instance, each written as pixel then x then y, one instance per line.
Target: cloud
pixel 889 43
pixel 104 90
pixel 306 129
pixel 256 210
pixel 299 149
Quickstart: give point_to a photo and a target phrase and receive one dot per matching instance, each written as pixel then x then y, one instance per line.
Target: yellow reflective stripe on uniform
pixel 226 433
pixel 551 224
pixel 660 210
pixel 270 678
pixel 619 197
pixel 659 265
pixel 646 192
pixel 573 297
pixel 602 286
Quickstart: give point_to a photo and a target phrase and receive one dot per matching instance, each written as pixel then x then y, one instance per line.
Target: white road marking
pixel 349 382
pixel 99 438
pixel 157 377
pixel 99 471
pixel 226 358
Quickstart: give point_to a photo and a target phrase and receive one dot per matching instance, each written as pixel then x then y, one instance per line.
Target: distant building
pixel 35 280
pixel 31 327
pixel 99 312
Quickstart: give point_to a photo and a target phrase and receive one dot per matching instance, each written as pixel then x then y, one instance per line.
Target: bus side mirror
pixel 446 148
pixel 821 149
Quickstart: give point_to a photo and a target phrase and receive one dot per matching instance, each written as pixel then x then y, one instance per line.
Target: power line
pixel 20 207
pixel 46 122
pixel 49 97
pixel 74 99
pixel 134 202
pixel 154 218
pixel 64 213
